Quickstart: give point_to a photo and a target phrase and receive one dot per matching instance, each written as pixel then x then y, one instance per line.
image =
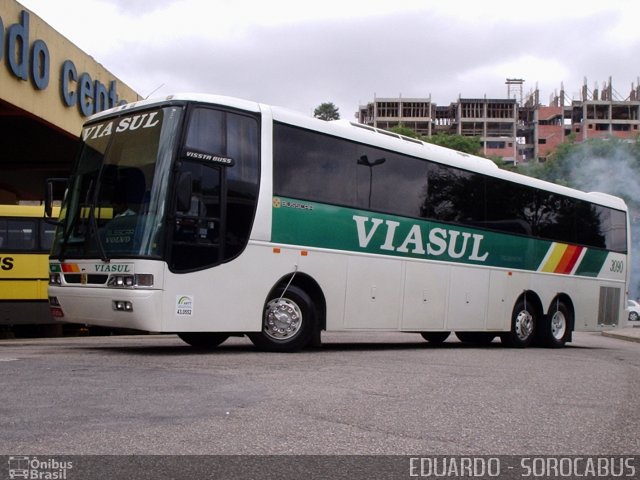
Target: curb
pixel 621 336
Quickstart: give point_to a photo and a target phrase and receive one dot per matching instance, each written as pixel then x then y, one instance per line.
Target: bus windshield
pixel 115 202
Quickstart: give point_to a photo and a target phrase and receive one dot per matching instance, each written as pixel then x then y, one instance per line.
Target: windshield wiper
pixel 65 239
pixel 70 223
pixel 92 217
pixel 92 224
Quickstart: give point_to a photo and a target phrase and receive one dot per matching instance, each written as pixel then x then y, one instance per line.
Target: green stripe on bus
pixel 310 224
pixel 592 263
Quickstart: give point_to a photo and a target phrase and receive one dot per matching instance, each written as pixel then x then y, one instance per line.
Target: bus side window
pixel 22 234
pixel 47 231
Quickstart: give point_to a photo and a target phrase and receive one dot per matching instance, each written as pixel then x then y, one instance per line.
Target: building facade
pixel 48 87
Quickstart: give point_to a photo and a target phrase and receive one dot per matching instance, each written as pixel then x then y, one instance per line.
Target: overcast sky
pixel 299 54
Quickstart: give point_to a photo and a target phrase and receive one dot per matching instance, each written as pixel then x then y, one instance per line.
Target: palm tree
pixel 327 111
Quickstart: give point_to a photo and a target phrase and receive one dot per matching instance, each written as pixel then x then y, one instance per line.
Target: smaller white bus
pixel 210 216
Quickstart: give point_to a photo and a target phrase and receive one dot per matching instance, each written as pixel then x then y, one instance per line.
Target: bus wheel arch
pixel 557 326
pixel 525 319
pixel 293 315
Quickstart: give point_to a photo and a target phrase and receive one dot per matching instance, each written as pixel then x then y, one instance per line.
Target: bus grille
pixel 608 309
pixel 86 279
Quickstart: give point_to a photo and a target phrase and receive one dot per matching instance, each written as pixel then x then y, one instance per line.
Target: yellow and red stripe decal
pixel 561 258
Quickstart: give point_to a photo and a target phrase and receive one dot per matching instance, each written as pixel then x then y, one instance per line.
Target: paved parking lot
pixel 359 394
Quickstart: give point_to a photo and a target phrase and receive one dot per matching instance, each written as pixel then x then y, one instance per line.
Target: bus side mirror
pixel 183 195
pixel 54 192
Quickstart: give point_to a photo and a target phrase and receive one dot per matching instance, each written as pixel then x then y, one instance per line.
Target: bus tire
pixel 523 325
pixel 435 337
pixel 203 340
pixel 288 321
pixel 555 330
pixel 476 338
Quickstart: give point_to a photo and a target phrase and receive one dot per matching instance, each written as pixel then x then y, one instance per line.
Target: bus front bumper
pixel 138 309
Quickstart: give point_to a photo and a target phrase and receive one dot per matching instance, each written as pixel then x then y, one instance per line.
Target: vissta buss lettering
pixel 454 467
pixel 209 157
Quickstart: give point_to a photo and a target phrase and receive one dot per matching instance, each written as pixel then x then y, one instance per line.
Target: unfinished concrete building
pixel 494 121
pixel 516 130
pixel 387 113
pixel 597 114
pixel 541 128
pixel 601 116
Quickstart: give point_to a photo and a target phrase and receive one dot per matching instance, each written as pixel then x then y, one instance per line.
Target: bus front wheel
pixel 523 325
pixel 288 321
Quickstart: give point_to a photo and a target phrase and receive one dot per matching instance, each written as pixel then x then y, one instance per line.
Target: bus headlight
pixel 55 279
pixel 144 280
pixel 131 281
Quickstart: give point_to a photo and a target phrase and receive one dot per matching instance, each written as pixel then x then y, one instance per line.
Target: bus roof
pixel 435 153
pixel 376 137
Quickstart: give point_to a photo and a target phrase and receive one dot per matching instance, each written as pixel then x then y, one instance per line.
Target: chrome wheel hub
pixel 283 319
pixel 524 325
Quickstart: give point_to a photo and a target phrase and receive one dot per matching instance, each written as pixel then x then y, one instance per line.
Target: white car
pixel 633 310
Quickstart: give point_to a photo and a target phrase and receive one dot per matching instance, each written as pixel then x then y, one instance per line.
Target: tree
pixel 606 165
pixel 327 111
pixel 405 131
pixel 460 143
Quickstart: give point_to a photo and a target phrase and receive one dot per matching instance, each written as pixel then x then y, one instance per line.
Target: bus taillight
pixel 55 308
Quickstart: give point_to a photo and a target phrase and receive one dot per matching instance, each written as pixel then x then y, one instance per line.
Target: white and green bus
pixel 208 217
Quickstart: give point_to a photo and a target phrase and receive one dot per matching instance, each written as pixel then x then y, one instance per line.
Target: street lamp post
pixel 364 160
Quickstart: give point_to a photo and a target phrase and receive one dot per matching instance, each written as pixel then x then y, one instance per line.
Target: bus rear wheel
pixel 554 332
pixel 204 340
pixel 288 321
pixel 523 325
